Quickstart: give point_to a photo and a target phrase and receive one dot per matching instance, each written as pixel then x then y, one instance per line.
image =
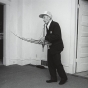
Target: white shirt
pixel 49 24
pixel 47 27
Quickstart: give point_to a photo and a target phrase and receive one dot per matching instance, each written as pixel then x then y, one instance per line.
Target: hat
pixel 46 13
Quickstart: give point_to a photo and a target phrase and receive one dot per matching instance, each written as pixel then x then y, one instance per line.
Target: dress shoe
pixel 50 81
pixel 63 81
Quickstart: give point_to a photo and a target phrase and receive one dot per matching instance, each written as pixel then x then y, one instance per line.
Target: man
pixel 54 51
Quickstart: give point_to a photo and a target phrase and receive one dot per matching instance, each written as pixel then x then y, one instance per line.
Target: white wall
pixel 25 21
pixel 10 24
pixel 62 11
pixel 13 28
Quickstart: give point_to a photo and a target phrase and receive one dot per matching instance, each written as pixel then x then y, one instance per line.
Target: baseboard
pixel 68 68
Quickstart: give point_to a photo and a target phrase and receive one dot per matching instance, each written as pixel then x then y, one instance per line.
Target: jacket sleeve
pixel 56 34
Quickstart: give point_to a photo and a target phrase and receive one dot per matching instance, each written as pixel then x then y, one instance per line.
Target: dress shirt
pixel 48 25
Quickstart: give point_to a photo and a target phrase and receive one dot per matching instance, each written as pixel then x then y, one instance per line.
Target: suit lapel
pixel 50 28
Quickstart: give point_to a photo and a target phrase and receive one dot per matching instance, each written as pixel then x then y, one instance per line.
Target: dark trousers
pixel 55 65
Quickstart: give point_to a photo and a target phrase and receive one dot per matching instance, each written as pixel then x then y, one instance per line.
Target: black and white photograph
pixel 43 43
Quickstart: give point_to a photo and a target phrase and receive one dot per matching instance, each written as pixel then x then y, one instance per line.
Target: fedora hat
pixel 46 13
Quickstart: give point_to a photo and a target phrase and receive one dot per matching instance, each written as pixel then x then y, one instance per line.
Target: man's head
pixel 47 16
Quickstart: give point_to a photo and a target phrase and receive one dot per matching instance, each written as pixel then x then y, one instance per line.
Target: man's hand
pixel 42 40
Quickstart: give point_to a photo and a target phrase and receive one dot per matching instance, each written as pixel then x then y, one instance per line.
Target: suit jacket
pixel 55 38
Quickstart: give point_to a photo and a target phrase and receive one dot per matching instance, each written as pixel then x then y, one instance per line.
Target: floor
pixel 83 74
pixel 29 76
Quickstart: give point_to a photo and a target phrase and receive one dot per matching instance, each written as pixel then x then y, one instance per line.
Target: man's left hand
pixel 42 39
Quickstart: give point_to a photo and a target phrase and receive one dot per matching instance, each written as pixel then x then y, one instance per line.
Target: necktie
pixel 47 32
pixel 44 33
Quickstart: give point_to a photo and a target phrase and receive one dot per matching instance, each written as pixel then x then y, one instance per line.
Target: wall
pixel 10 24
pixel 25 21
pixel 13 28
pixel 64 13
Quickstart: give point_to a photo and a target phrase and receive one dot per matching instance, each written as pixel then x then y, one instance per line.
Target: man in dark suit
pixel 53 36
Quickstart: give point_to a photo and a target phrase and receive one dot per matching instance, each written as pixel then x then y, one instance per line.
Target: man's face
pixel 46 19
